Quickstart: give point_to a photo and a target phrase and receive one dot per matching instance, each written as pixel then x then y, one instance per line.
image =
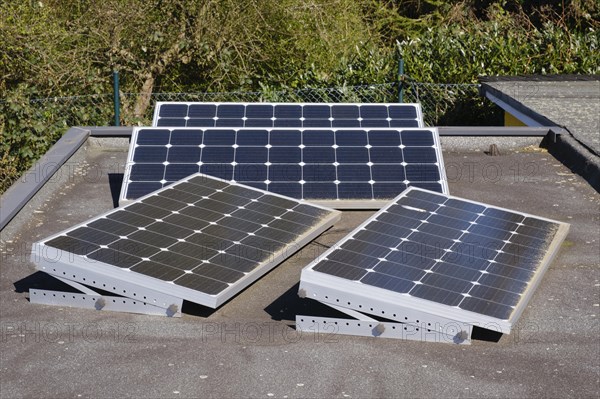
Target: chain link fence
pixel 30 126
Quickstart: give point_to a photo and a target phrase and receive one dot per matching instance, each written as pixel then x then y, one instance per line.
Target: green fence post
pixel 400 80
pixel 116 101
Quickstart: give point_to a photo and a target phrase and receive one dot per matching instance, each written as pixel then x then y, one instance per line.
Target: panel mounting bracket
pixel 366 326
pixel 132 298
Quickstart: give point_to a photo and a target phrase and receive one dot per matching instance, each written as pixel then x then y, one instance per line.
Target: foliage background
pixel 57 56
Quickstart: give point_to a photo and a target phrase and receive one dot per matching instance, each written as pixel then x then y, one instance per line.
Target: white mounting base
pixel 99 302
pixel 365 326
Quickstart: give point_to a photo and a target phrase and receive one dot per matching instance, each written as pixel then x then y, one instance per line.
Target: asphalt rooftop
pixel 248 347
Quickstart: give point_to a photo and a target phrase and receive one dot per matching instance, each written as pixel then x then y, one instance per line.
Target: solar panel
pixel 287 115
pixel 440 255
pixel 201 239
pixel 343 168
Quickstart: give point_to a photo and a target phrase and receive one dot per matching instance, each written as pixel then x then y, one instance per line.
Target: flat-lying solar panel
pixel 442 255
pixel 201 239
pixel 298 115
pixel 357 168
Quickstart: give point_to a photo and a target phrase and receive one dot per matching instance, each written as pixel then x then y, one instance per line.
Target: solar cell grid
pixel 323 164
pixel 445 250
pixel 201 234
pixel 287 115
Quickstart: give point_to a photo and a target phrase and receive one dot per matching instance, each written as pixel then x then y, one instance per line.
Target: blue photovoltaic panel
pixel 453 252
pixel 313 164
pixel 197 239
pixel 287 115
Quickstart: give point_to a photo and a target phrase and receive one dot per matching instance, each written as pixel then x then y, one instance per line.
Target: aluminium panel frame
pixel 328 203
pixel 330 289
pixel 159 104
pixel 65 264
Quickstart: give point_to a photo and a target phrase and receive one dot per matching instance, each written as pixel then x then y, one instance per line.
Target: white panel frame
pixel 361 297
pixel 159 104
pixel 84 270
pixel 329 203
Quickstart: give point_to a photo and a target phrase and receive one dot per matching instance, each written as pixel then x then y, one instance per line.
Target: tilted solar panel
pixel 356 168
pixel 287 115
pixel 201 239
pixel 442 255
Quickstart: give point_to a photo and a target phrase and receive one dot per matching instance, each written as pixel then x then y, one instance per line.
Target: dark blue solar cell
pixel 374 112
pixel 184 154
pixel 319 172
pixel 355 191
pixel 422 172
pixel 402 111
pixel 202 111
pixel 150 154
pixel 220 170
pixel 437 187
pixel 466 206
pixel 252 137
pixel 384 138
pixel 139 189
pixel 219 137
pixel 371 123
pixel 316 112
pixel 186 137
pixel 217 154
pixel 285 172
pixel 287 123
pixel 503 215
pixel 437 295
pixel 352 155
pixel 386 155
pixel 429 197
pixel 293 190
pixel 387 282
pixel 419 155
pixel 400 271
pixel 285 155
pixel 153 137
pixel 319 191
pixel 345 123
pixel 248 154
pixel 147 172
pixel 173 110
pixel 387 172
pixel 404 123
pixel 249 172
pixel 171 122
pixel 317 138
pixel 259 111
pixel 286 111
pixel 223 122
pixel 353 173
pixel 230 111
pixel 351 138
pixel 387 190
pixel 316 123
pixel 318 155
pixel 417 137
pixel 259 123
pixel 285 138
pixel 178 171
pixel 345 111
pixel 487 307
pixel 201 123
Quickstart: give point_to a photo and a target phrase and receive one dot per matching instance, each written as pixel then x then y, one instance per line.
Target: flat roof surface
pixel 248 347
pixel 570 101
